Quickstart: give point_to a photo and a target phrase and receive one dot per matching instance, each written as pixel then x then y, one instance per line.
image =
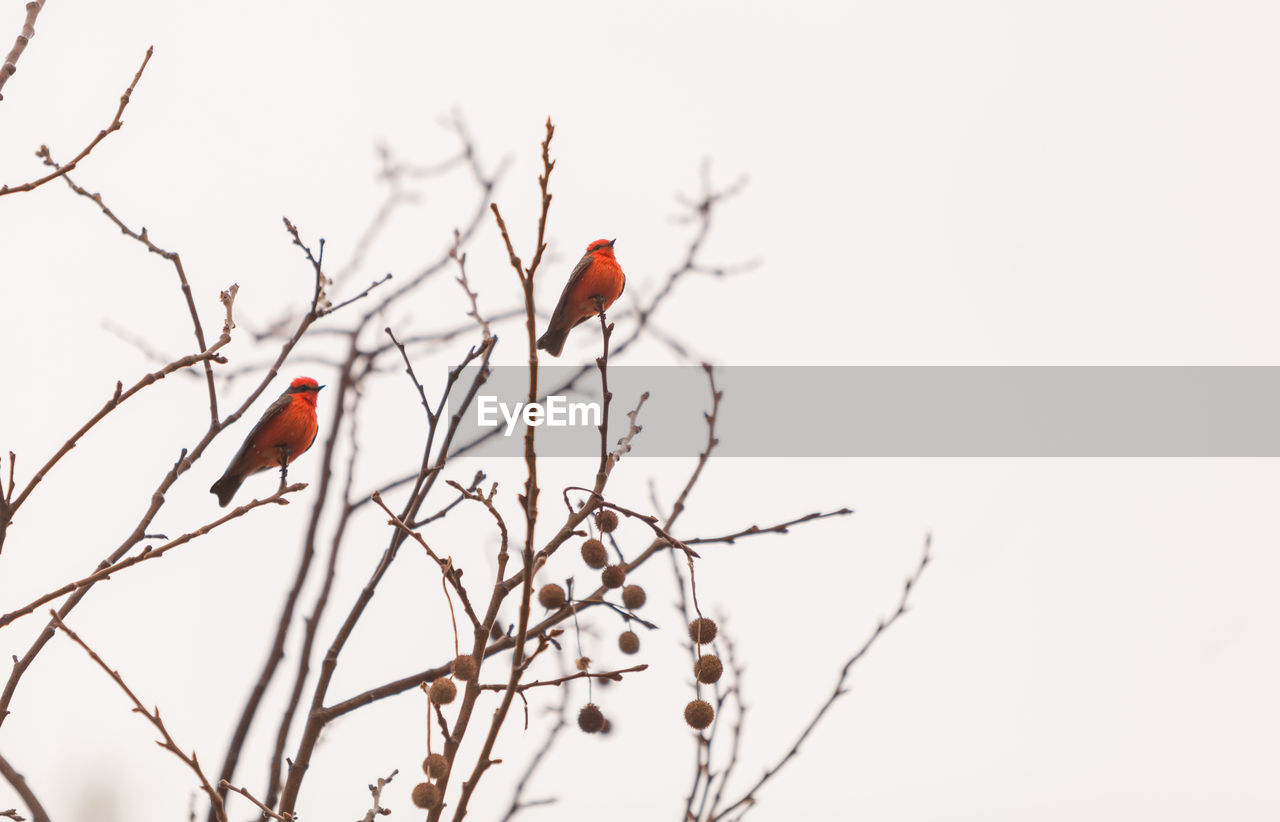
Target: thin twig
pixel 780 528
pixel 224 785
pixel 153 716
pixel 529 502
pixel 839 690
pixel 614 676
pixel 115 125
pixel 20 785
pixel 377 809
pixel 150 553
pixel 447 569
pixel 19 45
pixel 562 722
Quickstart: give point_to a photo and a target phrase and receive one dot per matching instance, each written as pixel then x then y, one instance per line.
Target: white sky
pixel 930 183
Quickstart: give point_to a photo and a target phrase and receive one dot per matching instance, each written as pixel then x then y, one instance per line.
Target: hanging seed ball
pixel 426 795
pixel 633 596
pixel 590 719
pixel 435 765
pixel 606 727
pixel 465 668
pixel 551 596
pixel 628 642
pixel 702 630
pixel 607 522
pixel 699 714
pixel 614 576
pixel 708 669
pixel 594 554
pixel 442 691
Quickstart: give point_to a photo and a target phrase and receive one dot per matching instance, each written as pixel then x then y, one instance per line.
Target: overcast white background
pixel 929 183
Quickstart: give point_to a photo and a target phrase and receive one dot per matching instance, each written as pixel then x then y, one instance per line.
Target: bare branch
pixel 613 676
pixel 377 809
pixel 23 790
pixel 224 785
pixel 115 125
pixel 19 45
pixel 839 690
pixel 153 716
pixel 149 553
pixel 562 722
pixel 780 528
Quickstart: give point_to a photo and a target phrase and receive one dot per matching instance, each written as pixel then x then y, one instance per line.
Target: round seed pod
pixel 590 719
pixel 496 631
pixel 699 714
pixel 594 553
pixel 702 630
pixel 551 596
pixel 426 795
pixel 606 727
pixel 629 642
pixel 442 691
pixel 465 668
pixel 614 576
pixel 633 596
pixel 708 669
pixel 435 765
pixel 607 522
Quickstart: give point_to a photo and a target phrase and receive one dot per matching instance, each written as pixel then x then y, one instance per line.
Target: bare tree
pixel 342 330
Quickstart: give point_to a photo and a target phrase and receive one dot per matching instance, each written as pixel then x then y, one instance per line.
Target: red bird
pixel 285 431
pixel 597 280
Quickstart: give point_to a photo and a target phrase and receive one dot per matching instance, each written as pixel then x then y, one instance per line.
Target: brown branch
pixel 417 384
pixel 120 395
pixel 224 786
pixel 447 568
pixel 647 519
pixel 734 692
pixel 530 503
pixel 461 259
pixel 613 676
pixel 153 716
pixel 377 809
pixel 562 722
pixel 115 125
pixel 839 690
pixel 461 498
pixel 172 256
pixel 150 553
pixel 19 783
pixel 780 528
pixel 28 31
pixel 383 279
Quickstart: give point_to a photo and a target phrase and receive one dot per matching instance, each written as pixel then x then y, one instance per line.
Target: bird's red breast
pixel 294 427
pixel 602 278
pixel 596 282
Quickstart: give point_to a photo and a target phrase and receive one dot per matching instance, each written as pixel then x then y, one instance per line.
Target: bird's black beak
pixel 318 389
pixel 611 242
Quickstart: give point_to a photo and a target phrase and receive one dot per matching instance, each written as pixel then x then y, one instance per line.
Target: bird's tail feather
pixel 553 341
pixel 226 488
